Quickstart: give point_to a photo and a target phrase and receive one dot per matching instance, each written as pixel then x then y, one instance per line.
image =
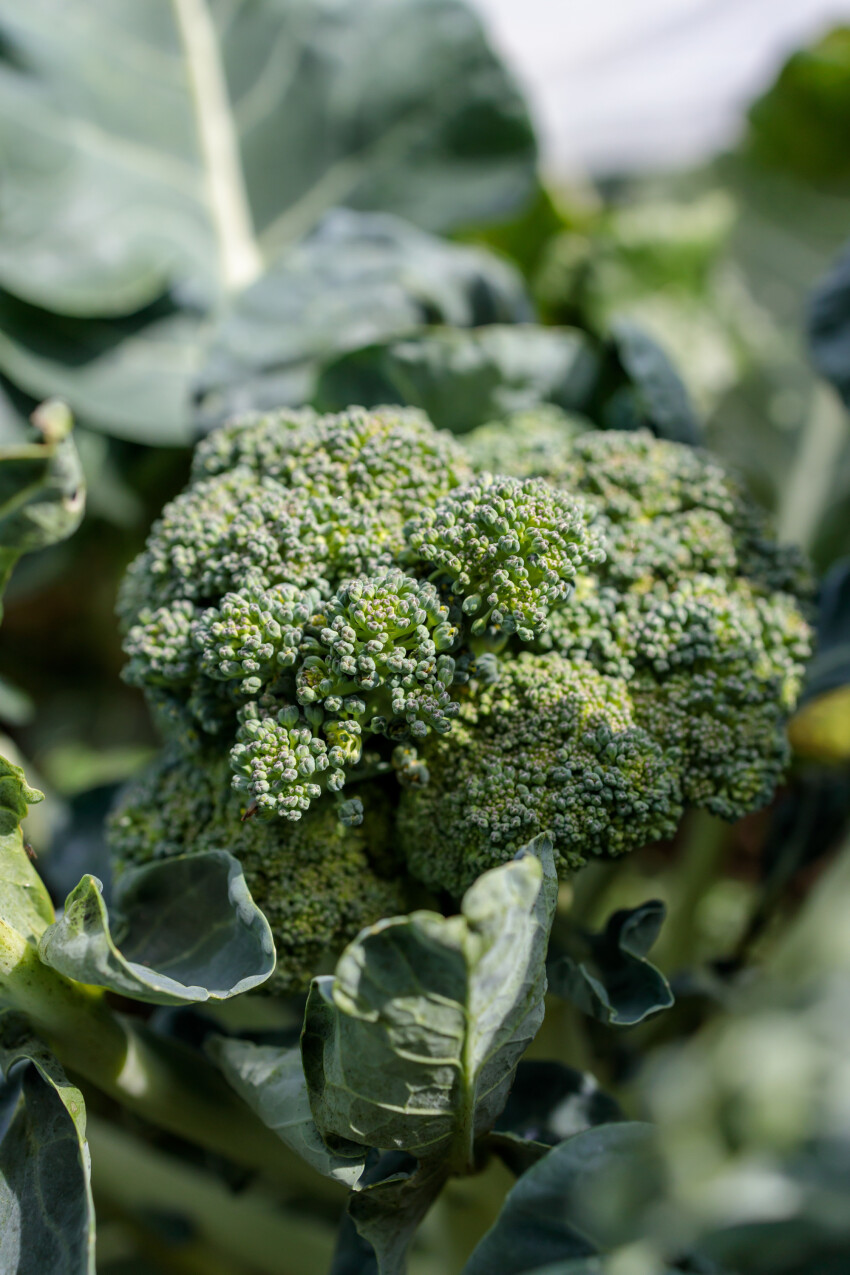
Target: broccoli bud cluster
pixel 547 629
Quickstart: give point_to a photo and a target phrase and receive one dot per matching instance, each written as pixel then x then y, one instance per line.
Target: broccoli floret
pixel 552 746
pixel 509 548
pixel 318 881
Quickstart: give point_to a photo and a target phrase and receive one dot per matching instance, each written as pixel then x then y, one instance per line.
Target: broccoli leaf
pixel 155 165
pixel 46 1209
pixel 188 929
pixel 654 395
pixel 550 1102
pixel 42 490
pixel 272 1082
pixel 613 980
pixel 412 1044
pixel 24 902
pixel 829 326
pixel 462 379
pixel 357 278
pixel 560 1210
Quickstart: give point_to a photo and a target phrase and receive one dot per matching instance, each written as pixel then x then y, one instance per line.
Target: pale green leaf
pixel 413 1043
pixel 185 929
pixel 271 1080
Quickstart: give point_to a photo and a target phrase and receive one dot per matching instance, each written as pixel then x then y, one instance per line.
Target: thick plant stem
pixel 161 1080
pixel 700 861
pixel 250 1227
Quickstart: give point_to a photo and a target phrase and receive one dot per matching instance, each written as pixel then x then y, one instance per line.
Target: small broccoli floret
pixel 531 443
pixel 318 881
pixel 509 548
pixel 552 746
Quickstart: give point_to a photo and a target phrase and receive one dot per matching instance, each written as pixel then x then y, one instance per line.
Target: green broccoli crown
pixel 318 881
pixel 589 635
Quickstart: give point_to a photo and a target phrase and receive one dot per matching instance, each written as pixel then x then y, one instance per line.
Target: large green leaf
pixel 560 1210
pixel 46 1209
pixel 358 278
pixel 42 490
pixel 609 976
pixel 24 902
pixel 190 140
pixel 160 158
pixel 272 1082
pixel 188 931
pixel 413 1042
pixel 466 378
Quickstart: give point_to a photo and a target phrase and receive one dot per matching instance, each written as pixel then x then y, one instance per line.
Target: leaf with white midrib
pixel 413 1043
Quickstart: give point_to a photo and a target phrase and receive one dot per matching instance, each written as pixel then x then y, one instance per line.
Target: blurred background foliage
pixel 350 210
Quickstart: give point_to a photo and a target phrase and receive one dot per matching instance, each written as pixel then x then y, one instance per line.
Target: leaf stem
pixel 812 475
pixel 161 1080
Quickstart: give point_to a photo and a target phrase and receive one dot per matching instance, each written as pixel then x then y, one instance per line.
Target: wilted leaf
pixel 46 1209
pixel 357 278
pixel 413 1042
pixel 188 930
pixel 557 1212
pixel 465 378
pixel 610 977
pixel 24 902
pixel 271 1080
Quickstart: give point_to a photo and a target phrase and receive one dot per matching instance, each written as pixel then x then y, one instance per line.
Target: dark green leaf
pixel 609 976
pixel 550 1102
pixel 358 278
pixel 271 1080
pixel 24 902
pixel 463 379
pixel 829 326
pixel 559 1210
pixel 413 1043
pixel 654 395
pixel 188 930
pixel 46 1210
pixel 387 1214
pixel 820 728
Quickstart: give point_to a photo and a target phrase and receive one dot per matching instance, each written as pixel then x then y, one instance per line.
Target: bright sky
pixel 642 83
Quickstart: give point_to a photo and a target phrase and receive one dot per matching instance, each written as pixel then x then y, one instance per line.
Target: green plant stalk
pixel 249 1227
pixel 161 1080
pixel 698 865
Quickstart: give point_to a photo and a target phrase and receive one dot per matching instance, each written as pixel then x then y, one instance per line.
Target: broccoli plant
pixel 407 688
pixel 381 658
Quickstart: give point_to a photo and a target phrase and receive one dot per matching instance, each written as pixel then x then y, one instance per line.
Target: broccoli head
pixel 318 881
pixel 548 628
